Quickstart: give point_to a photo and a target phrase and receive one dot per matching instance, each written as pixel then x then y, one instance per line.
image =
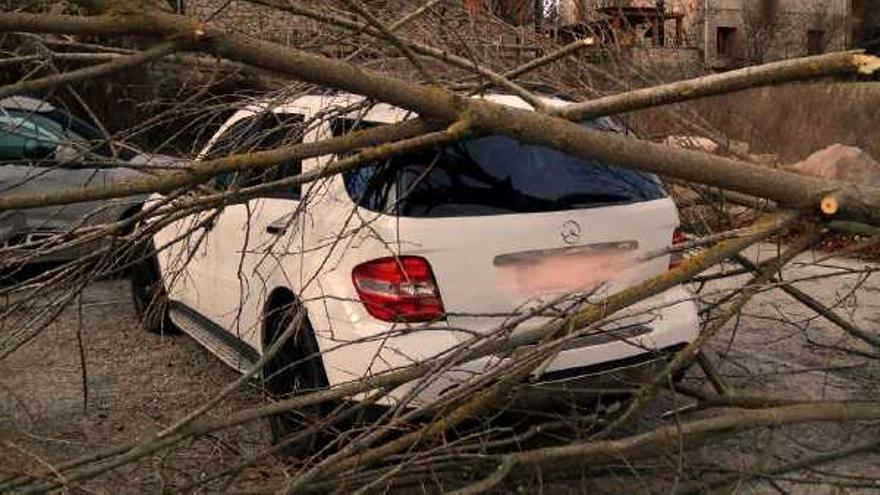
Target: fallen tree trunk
pixel 788 189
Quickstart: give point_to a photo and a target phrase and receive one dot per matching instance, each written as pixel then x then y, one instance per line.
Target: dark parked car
pixel 43 147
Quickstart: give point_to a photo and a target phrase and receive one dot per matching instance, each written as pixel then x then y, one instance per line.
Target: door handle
pixel 278 227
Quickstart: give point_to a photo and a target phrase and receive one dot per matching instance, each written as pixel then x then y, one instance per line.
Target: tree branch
pixel 69 24
pixel 389 35
pixel 790 189
pixel 799 69
pixel 118 64
pixel 202 171
pixel 423 49
pixel 648 443
pixel 685 357
pixel 124 454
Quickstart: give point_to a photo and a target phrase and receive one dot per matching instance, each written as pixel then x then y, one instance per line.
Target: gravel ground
pixel 139 383
pixel 781 348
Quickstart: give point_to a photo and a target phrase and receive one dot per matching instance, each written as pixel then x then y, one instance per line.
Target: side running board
pixel 227 347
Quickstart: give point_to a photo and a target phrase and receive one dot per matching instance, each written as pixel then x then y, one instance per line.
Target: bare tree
pixel 761 24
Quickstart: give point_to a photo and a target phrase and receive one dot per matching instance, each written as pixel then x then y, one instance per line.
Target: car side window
pixel 344 125
pixel 362 179
pixel 26 136
pixel 259 133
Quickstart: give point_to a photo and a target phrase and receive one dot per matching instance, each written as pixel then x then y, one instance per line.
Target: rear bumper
pixel 585 386
pixel 673 324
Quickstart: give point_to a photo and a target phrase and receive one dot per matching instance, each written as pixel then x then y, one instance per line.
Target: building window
pixel 724 41
pixel 815 39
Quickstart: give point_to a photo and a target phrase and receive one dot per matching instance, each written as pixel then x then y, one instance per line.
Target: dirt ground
pixel 138 383
pixel 779 347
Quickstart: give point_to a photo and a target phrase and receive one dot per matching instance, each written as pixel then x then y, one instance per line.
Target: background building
pixel 727 33
pixel 730 33
pixel 747 32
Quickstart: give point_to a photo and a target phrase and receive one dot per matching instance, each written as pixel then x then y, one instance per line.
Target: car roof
pixel 70 121
pixel 380 112
pixel 26 103
pixel 384 113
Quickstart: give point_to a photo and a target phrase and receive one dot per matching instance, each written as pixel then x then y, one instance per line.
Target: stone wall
pixel 664 64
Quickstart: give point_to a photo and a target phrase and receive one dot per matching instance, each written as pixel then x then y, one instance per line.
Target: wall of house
pixel 798 17
pixel 721 14
pixel 768 30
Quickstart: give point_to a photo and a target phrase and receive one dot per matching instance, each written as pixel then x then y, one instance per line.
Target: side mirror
pixel 38 150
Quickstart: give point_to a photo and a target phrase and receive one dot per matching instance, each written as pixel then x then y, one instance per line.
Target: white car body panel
pixel 229 277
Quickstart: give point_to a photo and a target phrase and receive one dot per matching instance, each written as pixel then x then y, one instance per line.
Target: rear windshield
pixel 492 175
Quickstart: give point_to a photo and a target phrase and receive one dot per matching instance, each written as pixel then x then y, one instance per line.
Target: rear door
pixel 245 236
pixel 506 226
pixel 185 245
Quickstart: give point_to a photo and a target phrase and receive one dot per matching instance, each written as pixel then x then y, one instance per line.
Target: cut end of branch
pixel 829 205
pixel 866 64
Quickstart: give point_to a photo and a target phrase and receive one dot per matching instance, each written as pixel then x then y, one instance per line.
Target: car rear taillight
pixel 398 289
pixel 677 238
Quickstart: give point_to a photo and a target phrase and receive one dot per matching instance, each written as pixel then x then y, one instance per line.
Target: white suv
pixel 440 241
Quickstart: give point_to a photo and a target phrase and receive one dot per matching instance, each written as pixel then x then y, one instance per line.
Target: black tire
pixel 148 292
pixel 297 368
pixel 125 255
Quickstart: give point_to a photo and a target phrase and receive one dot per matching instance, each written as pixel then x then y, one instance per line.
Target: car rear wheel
pixel 148 292
pixel 297 368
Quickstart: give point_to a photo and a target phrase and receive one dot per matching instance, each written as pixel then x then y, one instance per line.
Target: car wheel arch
pixel 128 251
pixel 128 214
pixel 278 298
